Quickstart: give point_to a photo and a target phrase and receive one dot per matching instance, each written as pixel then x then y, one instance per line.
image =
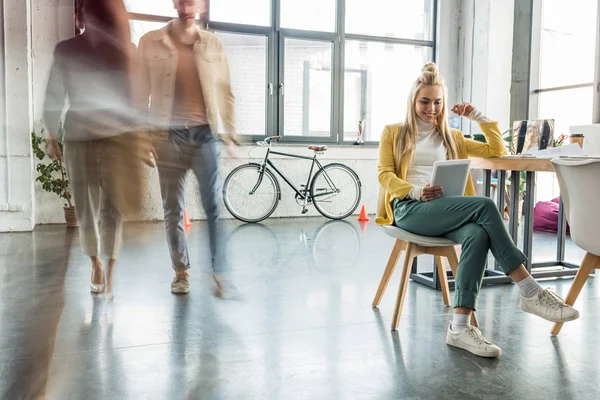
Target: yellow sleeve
pixel 388 178
pixel 495 144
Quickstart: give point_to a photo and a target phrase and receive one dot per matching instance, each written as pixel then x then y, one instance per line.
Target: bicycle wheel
pixel 336 191
pixel 249 195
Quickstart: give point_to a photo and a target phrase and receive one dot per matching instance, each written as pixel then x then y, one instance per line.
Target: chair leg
pixel 441 269
pixel 409 256
pixel 453 261
pixel 389 270
pixel 590 262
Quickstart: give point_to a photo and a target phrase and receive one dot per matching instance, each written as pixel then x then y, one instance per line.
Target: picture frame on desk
pixel 530 134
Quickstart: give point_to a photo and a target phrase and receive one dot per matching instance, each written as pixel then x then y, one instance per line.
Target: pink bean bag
pixel 545 216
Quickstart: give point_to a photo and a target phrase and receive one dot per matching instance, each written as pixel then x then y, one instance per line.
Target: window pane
pixel 140 28
pixel 249 12
pixel 567 108
pixel 247 56
pixel 154 7
pixel 310 15
pixel 408 19
pixel 378 78
pixel 307 80
pixel 568 43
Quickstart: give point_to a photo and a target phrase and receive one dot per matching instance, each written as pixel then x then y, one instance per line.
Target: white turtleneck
pixel 429 149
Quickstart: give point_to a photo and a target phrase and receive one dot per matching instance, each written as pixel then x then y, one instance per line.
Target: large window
pixel 312 69
pixel 563 89
pixel 564 70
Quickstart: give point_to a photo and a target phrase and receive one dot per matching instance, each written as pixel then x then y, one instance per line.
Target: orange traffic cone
pixel 363 214
pixel 186 220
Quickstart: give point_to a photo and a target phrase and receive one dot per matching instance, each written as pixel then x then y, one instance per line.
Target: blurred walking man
pixel 185 87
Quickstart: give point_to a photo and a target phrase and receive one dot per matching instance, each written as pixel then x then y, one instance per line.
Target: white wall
pixel 363 161
pixel 449 26
pixel 16 188
pixel 485 58
pixel 499 66
pixel 53 22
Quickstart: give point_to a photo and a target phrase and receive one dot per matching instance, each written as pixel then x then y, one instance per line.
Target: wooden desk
pixel 513 164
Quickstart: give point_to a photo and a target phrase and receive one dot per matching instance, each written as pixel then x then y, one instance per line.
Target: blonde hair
pixel 406 142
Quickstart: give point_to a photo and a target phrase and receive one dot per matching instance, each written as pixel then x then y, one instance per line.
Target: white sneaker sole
pixel 180 290
pixel 551 319
pixel 473 350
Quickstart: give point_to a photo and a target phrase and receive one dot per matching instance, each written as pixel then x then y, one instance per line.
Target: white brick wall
pixel 362 160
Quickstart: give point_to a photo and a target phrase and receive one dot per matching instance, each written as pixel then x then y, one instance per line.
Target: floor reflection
pixel 304 328
pixel 32 304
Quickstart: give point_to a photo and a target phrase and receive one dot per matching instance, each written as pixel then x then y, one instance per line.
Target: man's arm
pixel 141 99
pixel 142 84
pixel 226 98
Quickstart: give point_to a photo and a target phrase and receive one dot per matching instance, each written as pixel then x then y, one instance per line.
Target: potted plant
pixel 53 176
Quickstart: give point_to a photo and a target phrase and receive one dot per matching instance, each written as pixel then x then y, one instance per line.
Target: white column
pixel 447 47
pixel 53 22
pixel 484 58
pixel 16 162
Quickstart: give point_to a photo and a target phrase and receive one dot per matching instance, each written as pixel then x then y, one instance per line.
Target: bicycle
pixel 251 192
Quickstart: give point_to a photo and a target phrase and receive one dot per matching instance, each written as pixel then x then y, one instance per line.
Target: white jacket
pixel 158 72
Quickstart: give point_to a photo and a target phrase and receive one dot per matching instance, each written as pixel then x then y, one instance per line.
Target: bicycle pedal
pixel 304 211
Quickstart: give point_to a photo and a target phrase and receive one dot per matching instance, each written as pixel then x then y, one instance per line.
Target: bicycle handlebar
pixel 268 140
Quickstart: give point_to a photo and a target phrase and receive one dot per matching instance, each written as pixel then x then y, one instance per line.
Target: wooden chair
pixel 580 190
pixel 415 245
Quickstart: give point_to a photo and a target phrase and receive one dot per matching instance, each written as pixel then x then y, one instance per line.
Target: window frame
pixel 535 88
pixel 276 36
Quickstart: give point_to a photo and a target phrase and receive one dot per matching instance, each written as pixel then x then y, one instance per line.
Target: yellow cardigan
pixel 393 183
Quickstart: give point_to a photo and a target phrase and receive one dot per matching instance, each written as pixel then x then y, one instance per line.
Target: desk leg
pixel 487 182
pixel 500 199
pixel 528 228
pixel 513 219
pixel 562 232
pixel 487 191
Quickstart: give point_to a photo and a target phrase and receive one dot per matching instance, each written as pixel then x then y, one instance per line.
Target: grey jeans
pixel 184 149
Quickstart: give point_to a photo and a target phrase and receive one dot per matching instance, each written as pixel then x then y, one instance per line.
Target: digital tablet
pixel 451 175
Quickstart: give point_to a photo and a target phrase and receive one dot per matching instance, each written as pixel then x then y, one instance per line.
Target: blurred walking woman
pixel 406 156
pixel 92 71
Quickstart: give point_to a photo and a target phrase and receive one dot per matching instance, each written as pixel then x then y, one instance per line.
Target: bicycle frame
pixel 304 196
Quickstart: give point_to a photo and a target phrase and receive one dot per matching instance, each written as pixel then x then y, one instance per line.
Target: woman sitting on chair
pixel 406 156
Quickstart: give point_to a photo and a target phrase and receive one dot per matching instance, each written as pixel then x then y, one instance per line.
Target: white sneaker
pixel 472 341
pixel 181 283
pixel 549 306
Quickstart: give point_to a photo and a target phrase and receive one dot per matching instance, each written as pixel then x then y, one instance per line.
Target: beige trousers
pixel 105 179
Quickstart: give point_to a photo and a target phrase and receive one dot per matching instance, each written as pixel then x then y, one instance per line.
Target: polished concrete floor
pixel 303 328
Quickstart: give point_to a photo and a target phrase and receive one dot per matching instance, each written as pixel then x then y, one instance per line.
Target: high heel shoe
pixel 97 287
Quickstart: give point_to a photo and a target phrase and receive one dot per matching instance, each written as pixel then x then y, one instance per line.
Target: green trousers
pixel 476 224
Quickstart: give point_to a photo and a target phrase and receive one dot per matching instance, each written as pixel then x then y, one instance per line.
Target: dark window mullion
pixel 340 66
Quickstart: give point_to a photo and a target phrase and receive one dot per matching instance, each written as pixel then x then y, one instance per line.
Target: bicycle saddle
pixel 317 148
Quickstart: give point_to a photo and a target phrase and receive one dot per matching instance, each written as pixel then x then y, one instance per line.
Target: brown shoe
pixel 181 283
pixel 224 288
